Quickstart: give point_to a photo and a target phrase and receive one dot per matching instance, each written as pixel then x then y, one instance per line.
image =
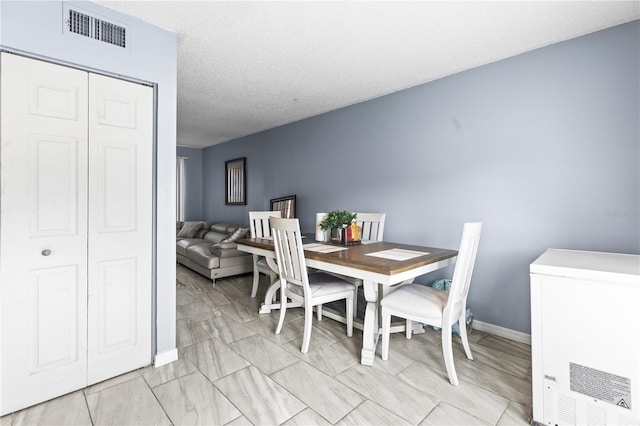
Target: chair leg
pixel 273 277
pixel 407 331
pixel 308 321
pixel 463 335
pixel 319 312
pixel 283 308
pixel 447 352
pixel 349 305
pixel 386 325
pixel 355 302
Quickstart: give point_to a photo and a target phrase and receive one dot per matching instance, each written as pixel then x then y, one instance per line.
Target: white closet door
pixel 120 226
pixel 43 242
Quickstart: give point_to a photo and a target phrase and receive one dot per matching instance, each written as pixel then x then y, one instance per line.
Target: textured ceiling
pixel 244 67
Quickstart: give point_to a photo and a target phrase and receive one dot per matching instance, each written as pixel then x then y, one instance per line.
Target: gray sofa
pixel 209 249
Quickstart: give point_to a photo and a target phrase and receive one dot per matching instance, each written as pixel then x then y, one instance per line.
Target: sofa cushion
pixel 183 244
pixel 189 229
pixel 221 227
pixel 238 234
pixel 201 233
pixel 201 254
pixel 215 236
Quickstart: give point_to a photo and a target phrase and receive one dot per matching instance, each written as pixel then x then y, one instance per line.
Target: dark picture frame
pixel 235 182
pixel 286 206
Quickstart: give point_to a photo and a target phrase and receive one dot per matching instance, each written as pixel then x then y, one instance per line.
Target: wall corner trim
pixel 165 357
pixel 517 336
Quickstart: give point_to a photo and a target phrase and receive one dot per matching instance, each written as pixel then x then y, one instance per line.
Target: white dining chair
pixel 259 228
pixel 372 225
pixel 438 308
pixel 372 230
pixel 296 283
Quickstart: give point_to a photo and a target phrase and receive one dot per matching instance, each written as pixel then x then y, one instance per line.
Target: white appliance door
pixel 43 243
pixel 120 226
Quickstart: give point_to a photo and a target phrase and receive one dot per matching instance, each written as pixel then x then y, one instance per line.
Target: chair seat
pixel 417 301
pixel 355 281
pixel 263 265
pixel 322 284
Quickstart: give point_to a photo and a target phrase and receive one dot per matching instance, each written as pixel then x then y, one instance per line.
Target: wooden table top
pixel 355 256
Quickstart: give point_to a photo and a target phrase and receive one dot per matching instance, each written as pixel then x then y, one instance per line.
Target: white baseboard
pixel 165 358
pixel 517 336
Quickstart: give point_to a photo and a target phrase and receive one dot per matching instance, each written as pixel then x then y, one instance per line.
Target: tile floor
pixel 233 370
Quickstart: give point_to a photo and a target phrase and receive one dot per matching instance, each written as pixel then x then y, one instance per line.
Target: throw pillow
pixel 240 233
pixel 189 229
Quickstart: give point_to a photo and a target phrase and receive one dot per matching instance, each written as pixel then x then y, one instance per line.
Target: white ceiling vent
pixel 81 23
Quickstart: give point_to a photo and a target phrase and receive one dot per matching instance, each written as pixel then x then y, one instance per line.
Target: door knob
pixel 46 252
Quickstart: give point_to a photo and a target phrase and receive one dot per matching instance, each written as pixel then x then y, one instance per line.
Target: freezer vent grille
pixel 596 416
pixel 626 421
pixel 566 410
pixel 95 28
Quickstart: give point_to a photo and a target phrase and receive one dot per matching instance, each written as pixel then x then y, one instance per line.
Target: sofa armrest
pixel 223 246
pixel 227 252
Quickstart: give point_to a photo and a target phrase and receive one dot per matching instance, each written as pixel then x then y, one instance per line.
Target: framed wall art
pixel 286 205
pixel 235 182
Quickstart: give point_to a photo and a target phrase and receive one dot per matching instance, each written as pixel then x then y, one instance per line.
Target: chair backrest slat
pixel 289 251
pixel 372 225
pixel 259 223
pixel 464 268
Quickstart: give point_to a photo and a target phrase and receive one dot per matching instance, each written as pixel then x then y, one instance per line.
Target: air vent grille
pixel 89 26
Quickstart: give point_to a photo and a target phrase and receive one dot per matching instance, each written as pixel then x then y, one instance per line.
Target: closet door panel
pixel 120 225
pixel 43 242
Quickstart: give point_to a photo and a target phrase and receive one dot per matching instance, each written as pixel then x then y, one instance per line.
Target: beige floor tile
pixel 263 354
pixel 241 312
pixel 232 292
pixel 129 403
pixel 516 414
pixel 421 350
pixel 390 392
pixel 494 358
pixel 194 400
pixel 184 297
pixel 112 382
pixel 322 393
pixel 370 413
pixel 189 332
pixel 155 376
pixel 226 329
pixel 266 327
pixel 258 397
pixel 240 421
pixel 70 409
pixel 323 355
pixel 214 359
pixel 497 381
pixel 306 418
pixel 473 399
pixel 197 311
pixel 448 415
pixel 214 297
pixel 518 349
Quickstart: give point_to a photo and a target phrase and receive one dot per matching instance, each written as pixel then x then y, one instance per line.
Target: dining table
pixel 382 266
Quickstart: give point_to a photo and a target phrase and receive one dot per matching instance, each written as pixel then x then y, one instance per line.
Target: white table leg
pixel 371 327
pixel 268 304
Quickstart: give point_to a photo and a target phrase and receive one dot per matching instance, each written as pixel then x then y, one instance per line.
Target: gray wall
pixel 542 147
pixel 193 182
pixel 35 28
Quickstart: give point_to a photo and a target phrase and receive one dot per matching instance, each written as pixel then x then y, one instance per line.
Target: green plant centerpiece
pixel 337 219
